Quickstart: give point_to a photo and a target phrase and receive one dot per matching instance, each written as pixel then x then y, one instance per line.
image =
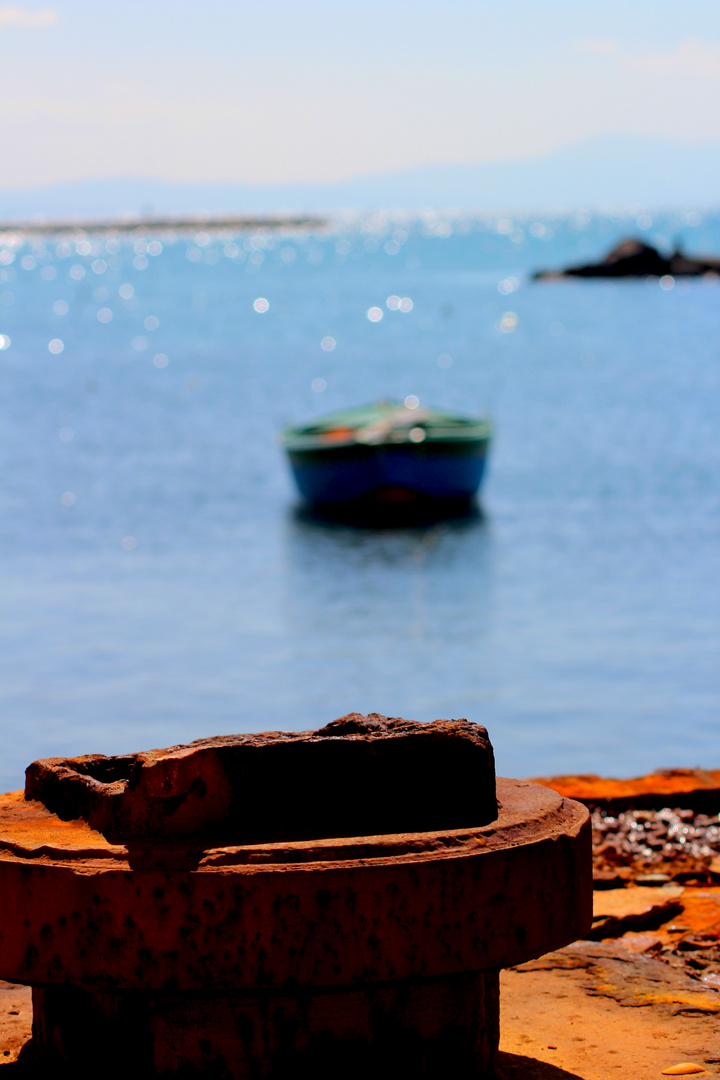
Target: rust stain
pixel 184 905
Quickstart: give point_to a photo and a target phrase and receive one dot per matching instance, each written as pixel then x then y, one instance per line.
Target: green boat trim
pixel 385 423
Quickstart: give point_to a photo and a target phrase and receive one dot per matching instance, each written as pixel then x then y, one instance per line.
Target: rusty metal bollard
pixel 334 903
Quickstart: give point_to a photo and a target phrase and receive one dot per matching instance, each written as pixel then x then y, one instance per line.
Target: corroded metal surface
pixel 431 1028
pixel 236 948
pixel 74 907
pixel 357 776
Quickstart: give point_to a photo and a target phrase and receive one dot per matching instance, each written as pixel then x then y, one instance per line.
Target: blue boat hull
pixel 440 471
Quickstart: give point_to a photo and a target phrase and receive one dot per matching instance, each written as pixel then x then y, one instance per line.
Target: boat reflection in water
pixel 389 463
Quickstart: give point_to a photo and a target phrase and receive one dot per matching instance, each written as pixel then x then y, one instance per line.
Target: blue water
pixel 158 585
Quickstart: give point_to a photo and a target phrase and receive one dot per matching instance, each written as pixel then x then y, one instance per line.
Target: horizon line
pixel 363 176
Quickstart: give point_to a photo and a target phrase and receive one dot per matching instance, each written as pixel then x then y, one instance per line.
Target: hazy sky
pixel 292 90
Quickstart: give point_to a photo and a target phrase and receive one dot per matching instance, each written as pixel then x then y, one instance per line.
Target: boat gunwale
pixel 479 431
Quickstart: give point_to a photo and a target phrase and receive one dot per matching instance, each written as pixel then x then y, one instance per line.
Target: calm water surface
pixel 158 583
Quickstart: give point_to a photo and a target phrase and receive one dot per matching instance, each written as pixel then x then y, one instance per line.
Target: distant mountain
pixel 609 171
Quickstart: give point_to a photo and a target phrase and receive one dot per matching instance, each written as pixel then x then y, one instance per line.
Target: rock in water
pixel 635 259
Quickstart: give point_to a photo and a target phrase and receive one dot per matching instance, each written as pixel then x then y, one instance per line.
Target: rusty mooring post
pixel 330 903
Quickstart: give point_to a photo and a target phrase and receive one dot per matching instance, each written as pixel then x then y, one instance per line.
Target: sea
pixel 160 582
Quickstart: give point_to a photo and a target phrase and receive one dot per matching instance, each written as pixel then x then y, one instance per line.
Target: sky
pixel 278 91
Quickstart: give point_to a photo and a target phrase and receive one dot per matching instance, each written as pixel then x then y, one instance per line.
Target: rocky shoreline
pixel 656 866
pixel 642 997
pixel 665 824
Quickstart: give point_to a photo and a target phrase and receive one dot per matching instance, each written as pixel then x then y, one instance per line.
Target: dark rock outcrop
pixel 634 259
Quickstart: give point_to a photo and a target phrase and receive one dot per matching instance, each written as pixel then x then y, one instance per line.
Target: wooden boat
pixel 388 452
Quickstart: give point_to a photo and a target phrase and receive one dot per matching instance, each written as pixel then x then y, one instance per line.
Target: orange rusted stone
pixel 697 789
pixel 338 953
